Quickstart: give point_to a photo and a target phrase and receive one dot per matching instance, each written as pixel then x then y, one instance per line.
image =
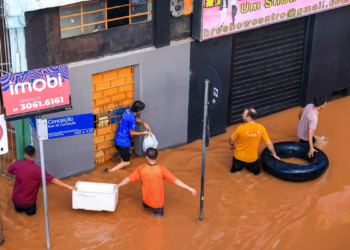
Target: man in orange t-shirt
pixel 152 176
pixel 247 138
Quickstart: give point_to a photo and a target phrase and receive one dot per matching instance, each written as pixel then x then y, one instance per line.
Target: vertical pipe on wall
pixel 161 22
pixel 19 139
pixel 19 63
pixel 19 123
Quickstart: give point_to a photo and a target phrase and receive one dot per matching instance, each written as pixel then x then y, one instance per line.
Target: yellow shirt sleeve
pixel 265 136
pixel 235 134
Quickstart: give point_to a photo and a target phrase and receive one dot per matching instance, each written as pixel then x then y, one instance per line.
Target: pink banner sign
pixel 36 92
pixel 224 17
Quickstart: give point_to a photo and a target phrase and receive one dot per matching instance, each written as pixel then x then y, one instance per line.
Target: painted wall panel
pixel 161 82
pixel 217 55
pixel 330 65
pixel 46 48
pixel 180 27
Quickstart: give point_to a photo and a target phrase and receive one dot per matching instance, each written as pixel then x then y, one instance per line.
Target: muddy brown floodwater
pixel 241 211
pixel 294 160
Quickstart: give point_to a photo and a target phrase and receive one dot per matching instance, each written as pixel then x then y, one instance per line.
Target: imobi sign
pixel 36 92
pixel 214 18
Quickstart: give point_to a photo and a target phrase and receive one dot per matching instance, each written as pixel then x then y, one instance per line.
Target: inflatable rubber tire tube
pixel 317 165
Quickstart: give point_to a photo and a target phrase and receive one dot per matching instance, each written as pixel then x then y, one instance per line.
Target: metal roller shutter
pixel 267 69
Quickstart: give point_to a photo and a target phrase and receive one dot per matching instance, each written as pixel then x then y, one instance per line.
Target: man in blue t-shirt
pixel 125 132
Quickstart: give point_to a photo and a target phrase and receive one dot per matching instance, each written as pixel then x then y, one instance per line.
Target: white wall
pixel 15 9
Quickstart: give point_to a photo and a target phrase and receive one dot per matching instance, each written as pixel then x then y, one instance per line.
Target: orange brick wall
pixel 111 90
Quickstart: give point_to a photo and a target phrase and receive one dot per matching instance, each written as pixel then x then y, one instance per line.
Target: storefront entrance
pixel 113 92
pixel 267 69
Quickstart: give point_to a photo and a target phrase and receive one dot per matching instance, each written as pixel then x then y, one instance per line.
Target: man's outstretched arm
pixel 183 185
pixel 62 184
pixel 133 133
pixel 123 183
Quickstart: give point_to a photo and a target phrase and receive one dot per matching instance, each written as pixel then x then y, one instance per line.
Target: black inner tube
pixel 316 166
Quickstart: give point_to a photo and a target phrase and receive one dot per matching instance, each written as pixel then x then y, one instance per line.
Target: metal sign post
pixel 211 94
pixel 43 175
pixel 47 129
pixel 205 116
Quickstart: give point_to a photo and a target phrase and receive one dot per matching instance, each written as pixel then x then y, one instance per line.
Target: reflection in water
pixel 334 210
pixel 241 211
pixel 294 160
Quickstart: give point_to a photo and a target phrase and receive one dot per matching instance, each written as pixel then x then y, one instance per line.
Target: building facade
pixel 121 51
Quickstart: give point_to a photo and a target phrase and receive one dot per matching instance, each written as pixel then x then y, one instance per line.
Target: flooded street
pixel 241 211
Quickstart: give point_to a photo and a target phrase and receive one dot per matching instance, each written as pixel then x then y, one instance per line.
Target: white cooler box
pixel 95 196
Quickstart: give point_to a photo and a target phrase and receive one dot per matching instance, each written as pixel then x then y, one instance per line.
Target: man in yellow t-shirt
pixel 245 143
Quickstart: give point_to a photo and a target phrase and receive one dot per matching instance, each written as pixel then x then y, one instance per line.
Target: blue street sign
pixel 32 122
pixel 118 111
pixel 70 126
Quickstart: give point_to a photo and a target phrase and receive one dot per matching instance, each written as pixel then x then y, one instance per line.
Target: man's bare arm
pixel 138 120
pixel 300 114
pixel 311 143
pixel 124 182
pixel 62 184
pixel 272 149
pixel 231 142
pixel 183 185
pixel 133 133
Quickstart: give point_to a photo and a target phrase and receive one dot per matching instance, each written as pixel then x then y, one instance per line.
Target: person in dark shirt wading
pixel 125 132
pixel 28 179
